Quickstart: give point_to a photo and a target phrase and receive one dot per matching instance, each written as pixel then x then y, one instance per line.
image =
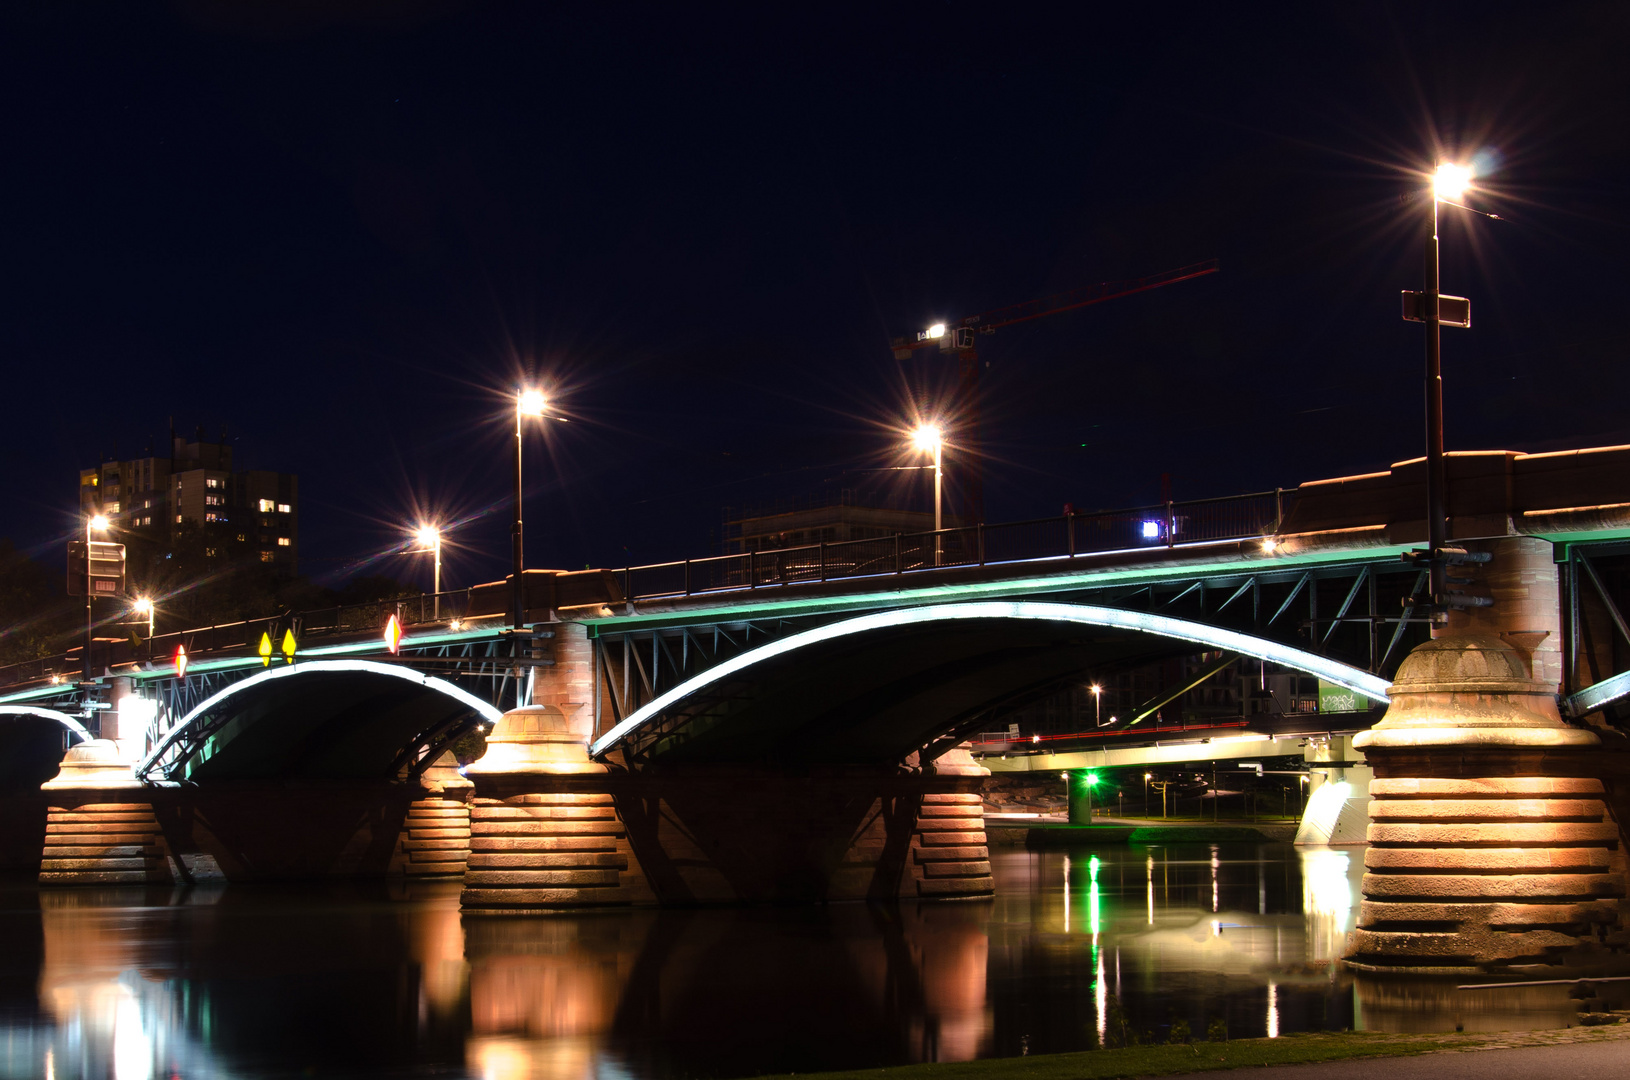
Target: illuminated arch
pixel 312 667
pixel 1332 671
pixel 64 719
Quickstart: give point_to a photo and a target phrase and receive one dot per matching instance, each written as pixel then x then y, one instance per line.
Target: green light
pixel 1092 778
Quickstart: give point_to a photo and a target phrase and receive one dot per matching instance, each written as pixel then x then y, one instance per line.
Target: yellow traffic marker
pixel 288 645
pixel 265 648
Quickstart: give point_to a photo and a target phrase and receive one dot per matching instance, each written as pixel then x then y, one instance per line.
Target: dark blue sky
pixel 343 232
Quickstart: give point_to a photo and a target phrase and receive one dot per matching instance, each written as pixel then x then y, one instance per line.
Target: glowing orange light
pixel 181 661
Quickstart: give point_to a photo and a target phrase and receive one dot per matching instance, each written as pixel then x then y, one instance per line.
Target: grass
pixel 1168 1060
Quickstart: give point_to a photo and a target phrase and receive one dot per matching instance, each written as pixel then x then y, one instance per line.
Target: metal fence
pixel 1164 525
pixel 246 634
pixel 1069 536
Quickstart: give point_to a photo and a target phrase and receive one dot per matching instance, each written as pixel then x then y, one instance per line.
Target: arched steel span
pixel 1325 668
pixel 177 738
pixel 73 725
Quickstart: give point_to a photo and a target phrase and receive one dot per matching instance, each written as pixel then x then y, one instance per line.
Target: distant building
pixel 843 515
pixel 256 514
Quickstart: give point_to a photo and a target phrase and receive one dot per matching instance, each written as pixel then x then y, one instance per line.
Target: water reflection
pixel 239 982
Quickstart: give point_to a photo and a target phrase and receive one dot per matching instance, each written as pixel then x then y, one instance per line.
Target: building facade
pixel 253 514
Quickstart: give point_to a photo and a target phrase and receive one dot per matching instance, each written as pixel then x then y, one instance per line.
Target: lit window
pixel 283 541
pixel 113 508
pixel 212 516
pixel 209 553
pixel 242 538
pixel 147 521
pixel 212 482
pixel 266 556
pixel 213 500
pixel 266 505
pixel 284 508
pixel 178 519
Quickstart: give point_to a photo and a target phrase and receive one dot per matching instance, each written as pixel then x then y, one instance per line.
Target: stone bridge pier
pixel 1495 843
pixel 552 829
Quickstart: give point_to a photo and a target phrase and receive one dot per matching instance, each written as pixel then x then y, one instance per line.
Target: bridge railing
pixel 108 651
pixel 1068 536
pixel 1172 524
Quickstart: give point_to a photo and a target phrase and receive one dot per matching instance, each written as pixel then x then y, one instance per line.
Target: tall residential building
pixel 253 514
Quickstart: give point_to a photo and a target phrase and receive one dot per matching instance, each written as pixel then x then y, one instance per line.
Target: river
pixel 389 980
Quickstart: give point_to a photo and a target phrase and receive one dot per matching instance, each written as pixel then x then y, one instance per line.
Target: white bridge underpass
pixel 1338 780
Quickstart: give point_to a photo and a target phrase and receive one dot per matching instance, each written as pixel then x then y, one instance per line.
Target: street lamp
pixel 96 523
pixel 1098 704
pixel 1449 184
pixel 527 403
pixel 430 537
pixel 930 440
pixel 144 606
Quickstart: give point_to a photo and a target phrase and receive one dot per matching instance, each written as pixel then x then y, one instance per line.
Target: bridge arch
pixel 336 719
pixel 1023 611
pixel 73 726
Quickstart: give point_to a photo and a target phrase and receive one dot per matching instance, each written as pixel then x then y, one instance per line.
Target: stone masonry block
pixel 1489 858
pixel 1491 885
pixel 1491 810
pixel 1486 787
pixel 1504 834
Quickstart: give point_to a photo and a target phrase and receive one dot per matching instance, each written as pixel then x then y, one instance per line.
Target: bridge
pixel 794 722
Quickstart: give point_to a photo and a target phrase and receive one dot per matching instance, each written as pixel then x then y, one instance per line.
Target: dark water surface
pixel 392 981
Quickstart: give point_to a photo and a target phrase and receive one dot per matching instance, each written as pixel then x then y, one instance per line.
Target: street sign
pixel 1452 310
pixel 107 568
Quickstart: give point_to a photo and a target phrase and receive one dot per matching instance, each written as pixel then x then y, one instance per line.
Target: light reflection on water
pixel 237 982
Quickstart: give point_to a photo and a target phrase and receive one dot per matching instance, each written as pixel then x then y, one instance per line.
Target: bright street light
pixel 1449 184
pixel 430 537
pixel 531 402
pixel 931 440
pixel 144 606
pixel 1451 181
pixel 99 523
pixel 935 331
pixel 528 402
pixel 1098 704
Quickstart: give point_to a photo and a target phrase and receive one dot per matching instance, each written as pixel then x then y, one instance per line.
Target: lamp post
pixel 430 537
pixel 144 606
pixel 527 403
pixel 929 439
pixel 95 523
pixel 1449 184
pixel 1146 778
pixel 1098 704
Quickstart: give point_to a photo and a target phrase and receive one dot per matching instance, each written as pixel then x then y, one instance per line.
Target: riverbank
pixel 1139 1061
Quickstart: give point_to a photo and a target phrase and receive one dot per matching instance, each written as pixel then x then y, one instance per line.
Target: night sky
pixel 343 232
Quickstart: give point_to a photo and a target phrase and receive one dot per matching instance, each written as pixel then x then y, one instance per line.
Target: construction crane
pixel 958 337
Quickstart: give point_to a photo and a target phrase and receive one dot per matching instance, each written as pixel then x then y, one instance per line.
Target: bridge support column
pixel 544 833
pixel 1492 844
pixel 950 855
pixel 100 828
pixel 435 838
